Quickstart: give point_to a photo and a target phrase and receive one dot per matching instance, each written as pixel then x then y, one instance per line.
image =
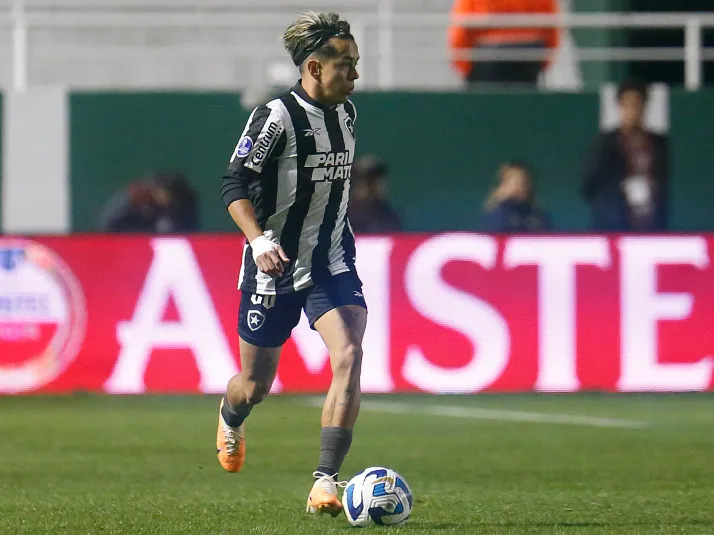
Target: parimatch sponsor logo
pixel 330 165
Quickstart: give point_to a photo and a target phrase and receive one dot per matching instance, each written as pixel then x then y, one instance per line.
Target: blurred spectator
pixel 511 206
pixel 626 172
pixel 502 39
pixel 163 203
pixel 369 211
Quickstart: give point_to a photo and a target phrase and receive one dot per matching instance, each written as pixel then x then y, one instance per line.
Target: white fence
pixel 232 44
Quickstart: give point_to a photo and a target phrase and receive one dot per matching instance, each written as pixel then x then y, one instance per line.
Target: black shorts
pixel 268 320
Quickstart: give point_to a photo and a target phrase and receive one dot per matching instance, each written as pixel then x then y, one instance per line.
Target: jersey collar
pixel 300 91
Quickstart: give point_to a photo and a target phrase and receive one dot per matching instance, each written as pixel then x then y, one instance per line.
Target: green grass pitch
pixel 86 465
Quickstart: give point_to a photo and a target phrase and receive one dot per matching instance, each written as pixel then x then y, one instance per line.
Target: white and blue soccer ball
pixel 377 495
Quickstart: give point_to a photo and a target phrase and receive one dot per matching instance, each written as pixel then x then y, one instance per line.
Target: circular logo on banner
pixel 245 145
pixel 43 315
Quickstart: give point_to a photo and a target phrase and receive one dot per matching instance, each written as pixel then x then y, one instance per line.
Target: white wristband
pixel 261 245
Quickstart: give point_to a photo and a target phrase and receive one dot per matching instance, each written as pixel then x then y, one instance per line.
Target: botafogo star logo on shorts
pixel 255 319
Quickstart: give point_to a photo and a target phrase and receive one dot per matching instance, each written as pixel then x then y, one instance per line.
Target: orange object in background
pixel 468 38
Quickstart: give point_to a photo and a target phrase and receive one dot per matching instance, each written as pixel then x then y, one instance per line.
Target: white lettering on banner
pixel 373 267
pixel 474 318
pixel 174 273
pixel 557 261
pixel 373 260
pixel 642 306
pixel 310 346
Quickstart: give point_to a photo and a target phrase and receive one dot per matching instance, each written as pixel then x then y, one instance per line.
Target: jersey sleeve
pixel 262 142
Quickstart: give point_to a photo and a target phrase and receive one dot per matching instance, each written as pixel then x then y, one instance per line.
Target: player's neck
pixel 312 90
pixel 634 128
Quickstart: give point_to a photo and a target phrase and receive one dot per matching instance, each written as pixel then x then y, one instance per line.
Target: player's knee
pixel 348 362
pixel 256 392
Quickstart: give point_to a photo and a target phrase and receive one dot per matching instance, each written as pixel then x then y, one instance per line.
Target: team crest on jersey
pixel 245 145
pixel 350 124
pixel 255 319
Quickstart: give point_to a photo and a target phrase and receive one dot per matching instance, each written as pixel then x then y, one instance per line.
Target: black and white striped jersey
pixel 293 162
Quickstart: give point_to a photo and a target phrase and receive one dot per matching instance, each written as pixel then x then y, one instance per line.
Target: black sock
pixel 234 417
pixel 334 444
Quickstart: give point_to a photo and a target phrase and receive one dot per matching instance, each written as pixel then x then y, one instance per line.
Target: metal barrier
pixel 365 15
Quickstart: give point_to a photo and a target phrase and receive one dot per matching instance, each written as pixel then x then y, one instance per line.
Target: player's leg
pixel 245 390
pixel 341 321
pixel 252 385
pixel 342 329
pixel 264 325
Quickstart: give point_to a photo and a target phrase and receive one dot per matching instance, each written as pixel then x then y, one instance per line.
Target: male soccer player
pixel 287 189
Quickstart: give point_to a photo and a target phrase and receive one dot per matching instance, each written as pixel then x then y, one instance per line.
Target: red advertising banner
pixel 457 312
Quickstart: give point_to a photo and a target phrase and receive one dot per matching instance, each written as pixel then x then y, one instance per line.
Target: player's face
pixel 338 74
pixel 632 109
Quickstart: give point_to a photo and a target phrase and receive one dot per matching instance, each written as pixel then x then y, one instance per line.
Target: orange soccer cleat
pixel 323 496
pixel 230 443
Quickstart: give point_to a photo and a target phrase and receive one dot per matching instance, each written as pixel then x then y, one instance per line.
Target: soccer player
pixel 287 189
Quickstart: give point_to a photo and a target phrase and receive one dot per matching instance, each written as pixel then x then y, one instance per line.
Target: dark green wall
pixel 443 150
pixel 692 145
pixel 116 138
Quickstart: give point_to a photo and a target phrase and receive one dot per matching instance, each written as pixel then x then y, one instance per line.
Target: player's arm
pixel 269 256
pixel 263 141
pixel 243 215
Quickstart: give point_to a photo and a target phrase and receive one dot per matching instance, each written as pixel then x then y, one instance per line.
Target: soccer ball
pixel 377 495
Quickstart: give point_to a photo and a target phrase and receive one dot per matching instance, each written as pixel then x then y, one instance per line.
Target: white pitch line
pixel 476 413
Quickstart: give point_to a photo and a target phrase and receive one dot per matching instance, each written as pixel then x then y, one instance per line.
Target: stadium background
pixel 522 321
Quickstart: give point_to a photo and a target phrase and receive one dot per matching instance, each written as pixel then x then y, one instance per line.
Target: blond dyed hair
pixel 311 33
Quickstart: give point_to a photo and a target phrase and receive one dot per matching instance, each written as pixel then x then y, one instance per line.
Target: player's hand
pixel 269 256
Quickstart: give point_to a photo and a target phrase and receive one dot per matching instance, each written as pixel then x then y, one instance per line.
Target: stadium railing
pixel 373 18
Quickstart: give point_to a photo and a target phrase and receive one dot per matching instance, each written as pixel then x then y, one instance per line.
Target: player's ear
pixel 314 68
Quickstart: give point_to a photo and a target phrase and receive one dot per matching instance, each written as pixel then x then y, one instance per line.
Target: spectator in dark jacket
pixel 369 211
pixel 511 206
pixel 626 172
pixel 163 203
